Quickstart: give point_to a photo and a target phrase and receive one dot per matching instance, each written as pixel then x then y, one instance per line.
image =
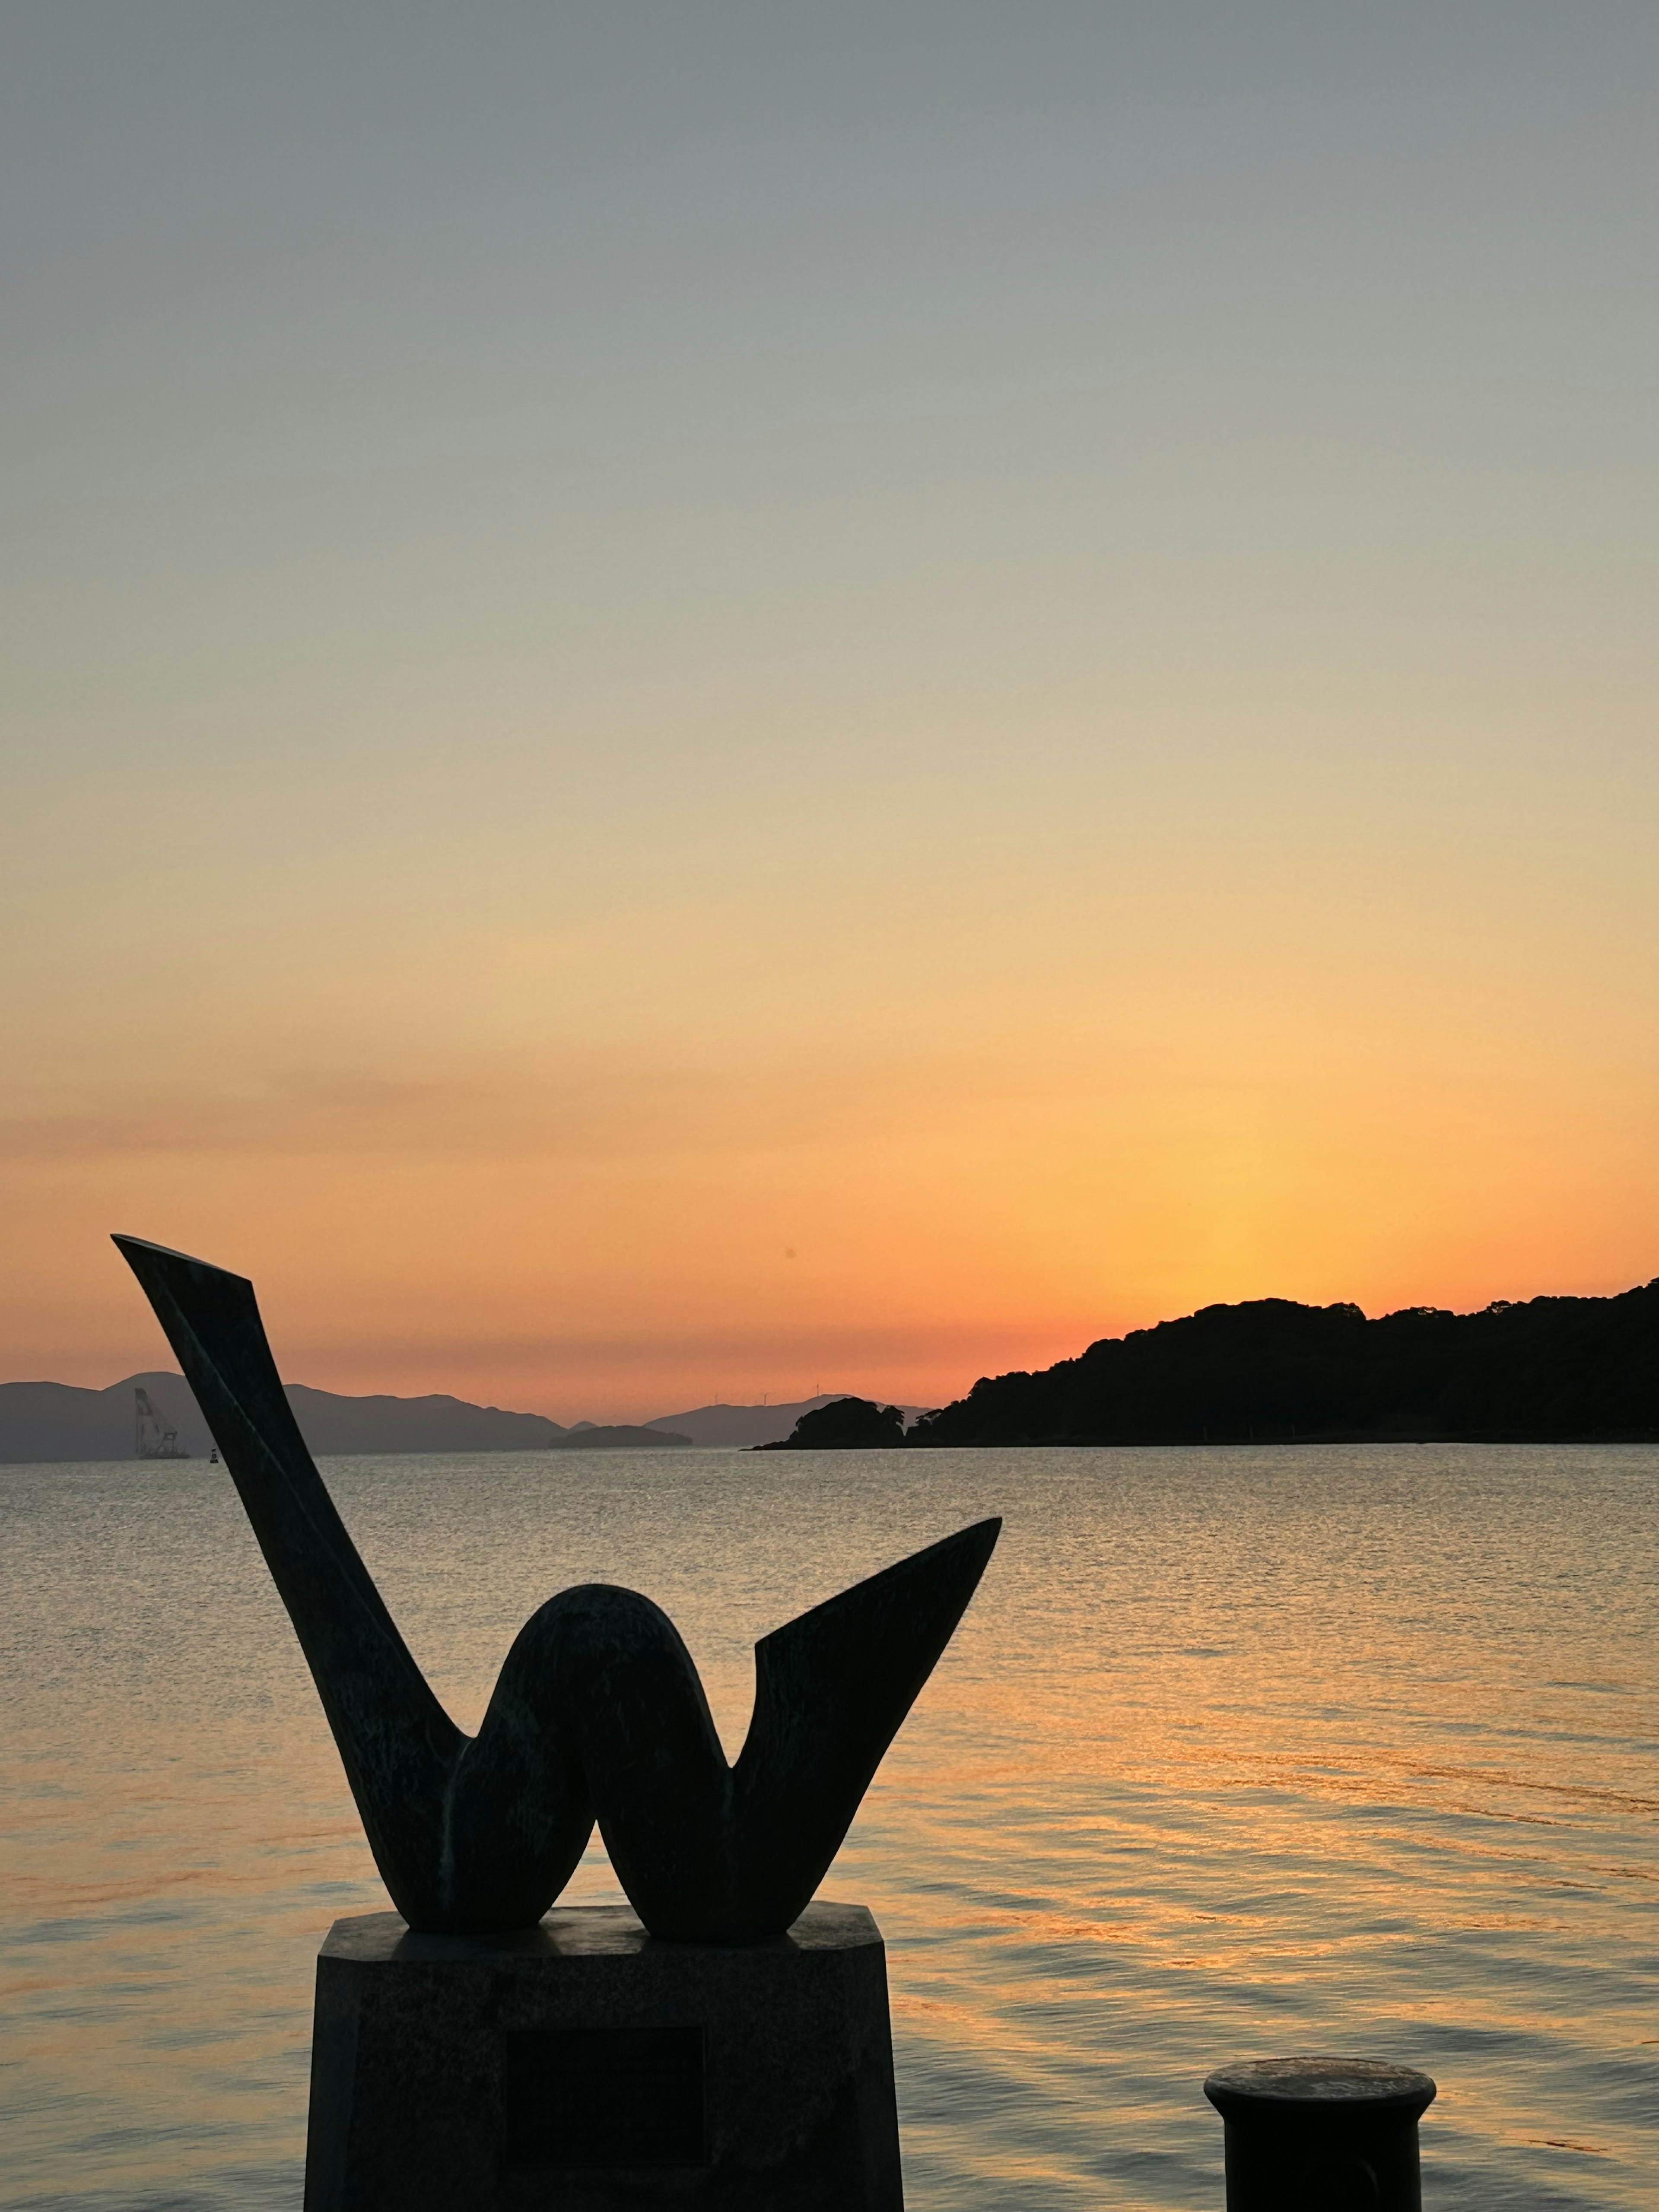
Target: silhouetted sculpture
pixel 599 1712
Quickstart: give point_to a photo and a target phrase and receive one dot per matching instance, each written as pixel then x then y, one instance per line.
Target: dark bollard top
pixel 1263 2088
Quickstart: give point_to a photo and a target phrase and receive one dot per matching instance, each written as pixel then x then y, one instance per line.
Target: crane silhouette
pixel 599 1712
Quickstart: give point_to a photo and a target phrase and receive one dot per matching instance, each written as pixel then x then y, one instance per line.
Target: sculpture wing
pixel 396 1741
pixel 832 1690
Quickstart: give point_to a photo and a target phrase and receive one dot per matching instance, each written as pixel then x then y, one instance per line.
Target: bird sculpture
pixel 598 1713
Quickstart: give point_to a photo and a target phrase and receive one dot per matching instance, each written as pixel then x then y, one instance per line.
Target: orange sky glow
pixel 672 743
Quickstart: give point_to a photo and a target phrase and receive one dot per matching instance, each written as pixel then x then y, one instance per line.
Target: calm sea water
pixel 1237 1753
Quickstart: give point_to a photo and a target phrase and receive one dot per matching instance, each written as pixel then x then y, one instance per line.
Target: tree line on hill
pixel 1545 1370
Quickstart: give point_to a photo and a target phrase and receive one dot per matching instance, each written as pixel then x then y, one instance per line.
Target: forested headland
pixel 1545 1370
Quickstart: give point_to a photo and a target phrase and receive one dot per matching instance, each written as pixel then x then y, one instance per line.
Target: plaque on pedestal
pixel 584 2064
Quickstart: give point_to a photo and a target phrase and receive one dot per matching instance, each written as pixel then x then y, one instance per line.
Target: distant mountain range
pixel 1548 1371
pixel 47 1421
pixel 55 1421
pixel 1267 1371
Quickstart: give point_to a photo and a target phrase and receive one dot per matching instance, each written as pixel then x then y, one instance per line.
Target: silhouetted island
pixel 1548 1371
pixel 741 1426
pixel 844 1424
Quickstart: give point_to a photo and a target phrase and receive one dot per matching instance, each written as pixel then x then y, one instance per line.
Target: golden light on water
pixel 1236 1751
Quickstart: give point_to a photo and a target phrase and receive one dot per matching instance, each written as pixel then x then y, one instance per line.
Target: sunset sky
pixel 705 698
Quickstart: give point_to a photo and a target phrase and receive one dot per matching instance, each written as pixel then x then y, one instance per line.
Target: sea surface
pixel 1237 1753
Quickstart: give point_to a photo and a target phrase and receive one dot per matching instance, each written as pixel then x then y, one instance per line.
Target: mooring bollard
pixel 1320 2135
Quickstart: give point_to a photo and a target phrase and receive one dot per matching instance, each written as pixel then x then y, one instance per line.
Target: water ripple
pixel 1237 1753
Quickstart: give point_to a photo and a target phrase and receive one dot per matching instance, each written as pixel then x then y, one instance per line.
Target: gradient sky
pixel 702 699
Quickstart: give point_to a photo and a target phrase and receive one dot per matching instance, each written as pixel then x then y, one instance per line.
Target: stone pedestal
pixel 585 2067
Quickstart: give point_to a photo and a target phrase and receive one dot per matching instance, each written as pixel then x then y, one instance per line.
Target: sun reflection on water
pixel 1237 1753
